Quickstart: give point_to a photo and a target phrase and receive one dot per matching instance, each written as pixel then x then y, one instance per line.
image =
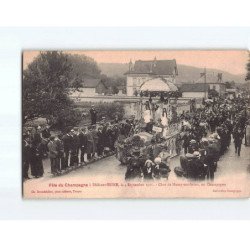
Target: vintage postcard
pixel 136 124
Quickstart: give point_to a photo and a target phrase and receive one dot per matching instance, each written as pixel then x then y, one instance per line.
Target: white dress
pixel 147 116
pixel 164 120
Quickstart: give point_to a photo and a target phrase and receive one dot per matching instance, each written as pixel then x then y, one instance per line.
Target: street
pixel 230 165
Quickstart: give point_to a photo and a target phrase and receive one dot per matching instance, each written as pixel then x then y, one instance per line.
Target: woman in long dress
pixel 36 152
pixel 164 118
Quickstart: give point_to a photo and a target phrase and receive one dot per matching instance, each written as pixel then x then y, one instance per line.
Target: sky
pixel 232 61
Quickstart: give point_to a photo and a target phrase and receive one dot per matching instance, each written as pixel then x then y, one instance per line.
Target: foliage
pixel 67 118
pixel 248 69
pixel 107 110
pixel 82 67
pixel 112 84
pixel 110 110
pixel 45 88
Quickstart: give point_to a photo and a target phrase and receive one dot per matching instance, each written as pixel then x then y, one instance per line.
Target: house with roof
pixel 194 90
pixel 143 71
pixel 89 87
pixel 93 87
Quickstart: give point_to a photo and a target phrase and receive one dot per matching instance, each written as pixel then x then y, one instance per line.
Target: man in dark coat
pixel 26 157
pixel 93 115
pixel 238 137
pixel 83 143
pixel 135 165
pixel 74 148
pixel 46 133
pixel 53 154
pixel 100 144
pixel 67 147
pixel 60 162
pixel 90 144
pixel 211 157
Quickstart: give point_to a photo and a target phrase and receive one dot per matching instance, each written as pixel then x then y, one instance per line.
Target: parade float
pixel 159 124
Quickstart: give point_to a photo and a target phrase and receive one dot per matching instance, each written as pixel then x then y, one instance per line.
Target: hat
pixel 188 155
pixel 148 161
pixel 197 154
pixel 204 139
pixel 193 141
pixel 157 160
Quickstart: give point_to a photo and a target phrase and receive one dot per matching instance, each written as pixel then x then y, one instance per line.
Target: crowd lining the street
pixel 205 135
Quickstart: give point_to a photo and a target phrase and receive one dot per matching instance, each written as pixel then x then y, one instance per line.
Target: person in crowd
pixel 149 126
pixel 36 157
pixel 90 144
pixel 26 157
pixel 83 144
pixel 161 169
pixel 211 158
pixel 46 132
pixel 74 161
pixel 67 142
pixel 135 165
pixel 95 138
pixel 238 137
pixel 147 170
pixel 60 161
pixel 53 155
pixel 101 139
pixel 93 115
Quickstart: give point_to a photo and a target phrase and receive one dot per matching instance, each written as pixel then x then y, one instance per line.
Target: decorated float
pixel 159 126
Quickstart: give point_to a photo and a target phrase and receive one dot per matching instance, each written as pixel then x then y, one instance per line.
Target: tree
pixel 82 67
pixel 248 68
pixel 45 87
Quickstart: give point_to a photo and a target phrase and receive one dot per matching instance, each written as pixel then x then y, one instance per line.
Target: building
pixel 142 71
pixel 194 90
pixel 214 81
pixel 94 87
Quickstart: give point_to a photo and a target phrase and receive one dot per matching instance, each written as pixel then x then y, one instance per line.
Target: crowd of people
pixel 205 135
pixel 73 148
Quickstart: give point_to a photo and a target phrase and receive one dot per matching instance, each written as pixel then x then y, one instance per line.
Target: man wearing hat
pixel 74 148
pixel 161 170
pixel 93 115
pixel 196 168
pixel 53 154
pixel 25 156
pixel 67 147
pixel 211 157
pixel 135 165
pixel 238 137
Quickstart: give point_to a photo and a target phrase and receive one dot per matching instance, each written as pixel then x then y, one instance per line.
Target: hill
pixel 186 73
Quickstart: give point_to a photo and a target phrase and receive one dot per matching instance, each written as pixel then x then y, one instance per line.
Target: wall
pixel 134 82
pixel 84 92
pixel 193 94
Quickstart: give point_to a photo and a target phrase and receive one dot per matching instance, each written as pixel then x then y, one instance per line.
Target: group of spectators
pixel 75 147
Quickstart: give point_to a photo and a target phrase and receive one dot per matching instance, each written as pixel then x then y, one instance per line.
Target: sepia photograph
pixel 135 124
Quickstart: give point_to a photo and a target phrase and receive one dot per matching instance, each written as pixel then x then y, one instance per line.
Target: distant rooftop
pixel 194 87
pixel 157 67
